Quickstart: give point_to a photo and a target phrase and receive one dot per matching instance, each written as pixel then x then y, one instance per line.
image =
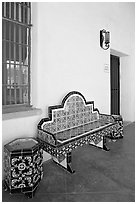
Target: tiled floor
pixel 100 176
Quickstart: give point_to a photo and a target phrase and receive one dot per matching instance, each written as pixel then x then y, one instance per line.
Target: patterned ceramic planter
pixel 23 165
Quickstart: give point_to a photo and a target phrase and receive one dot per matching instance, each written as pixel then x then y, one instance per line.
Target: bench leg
pixel 5 187
pixel 105 145
pixel 101 144
pixel 66 163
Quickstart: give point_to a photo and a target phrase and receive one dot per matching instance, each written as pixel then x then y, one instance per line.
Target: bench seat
pixel 76 132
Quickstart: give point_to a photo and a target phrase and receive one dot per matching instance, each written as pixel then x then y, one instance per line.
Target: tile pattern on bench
pixel 96 137
pixel 74 113
pixel 75 131
pixel 69 125
pixel 72 118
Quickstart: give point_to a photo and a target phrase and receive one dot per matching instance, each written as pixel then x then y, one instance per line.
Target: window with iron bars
pixel 16 42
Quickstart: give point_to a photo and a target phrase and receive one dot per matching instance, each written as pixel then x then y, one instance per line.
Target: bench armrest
pixel 108 118
pixel 46 137
pixel 117 118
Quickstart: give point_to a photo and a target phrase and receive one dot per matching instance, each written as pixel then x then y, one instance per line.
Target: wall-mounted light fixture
pixel 104 39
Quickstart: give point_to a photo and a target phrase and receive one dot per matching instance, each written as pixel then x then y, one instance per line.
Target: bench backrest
pixel 74 111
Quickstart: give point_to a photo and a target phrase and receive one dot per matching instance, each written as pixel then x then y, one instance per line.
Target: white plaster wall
pixel 66 56
pixel 19 127
pixel 70 57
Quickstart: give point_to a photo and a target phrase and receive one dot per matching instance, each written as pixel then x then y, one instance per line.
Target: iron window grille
pixel 16 47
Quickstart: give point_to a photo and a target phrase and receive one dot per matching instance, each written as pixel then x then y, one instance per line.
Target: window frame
pixel 21 106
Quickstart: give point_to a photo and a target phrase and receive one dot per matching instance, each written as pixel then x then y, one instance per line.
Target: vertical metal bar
pixel 27 35
pixel 29 22
pixel 23 13
pixel 28 15
pixel 29 59
pixel 14 11
pixel 9 9
pixel 4 9
pixel 10 95
pixel 19 12
pixel 4 68
pixel 25 20
pixel 15 93
pixel 3 98
pixel 20 64
pixel 12 33
pixel 22 37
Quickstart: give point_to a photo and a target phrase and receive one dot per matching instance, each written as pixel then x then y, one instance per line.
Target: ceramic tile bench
pixel 76 123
